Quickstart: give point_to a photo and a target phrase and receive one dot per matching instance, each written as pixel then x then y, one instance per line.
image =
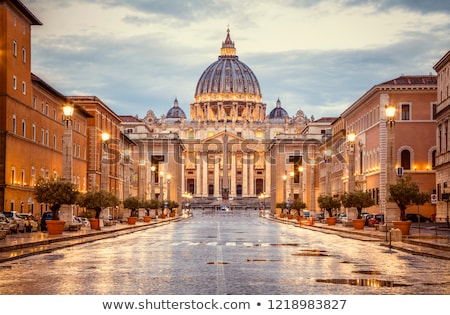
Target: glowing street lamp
pixel 351 136
pixel 105 169
pixel 67 142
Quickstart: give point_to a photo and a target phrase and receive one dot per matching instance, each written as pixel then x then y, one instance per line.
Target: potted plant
pixel 132 203
pixel 281 206
pixel 55 193
pixel 329 203
pixel 404 193
pixel 172 205
pixel 146 205
pixel 97 201
pixel 360 200
pixel 298 205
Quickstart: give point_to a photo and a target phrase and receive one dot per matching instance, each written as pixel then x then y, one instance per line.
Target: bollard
pixel 395 235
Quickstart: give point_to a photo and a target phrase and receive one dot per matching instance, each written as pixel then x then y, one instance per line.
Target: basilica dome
pixel 228 79
pixel 176 112
pixel 278 112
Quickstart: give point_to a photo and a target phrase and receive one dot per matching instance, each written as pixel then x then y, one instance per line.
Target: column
pixel 245 163
pixel 233 174
pixel 216 176
pixel 251 175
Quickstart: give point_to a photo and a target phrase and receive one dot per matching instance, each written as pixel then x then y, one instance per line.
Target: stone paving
pixel 430 240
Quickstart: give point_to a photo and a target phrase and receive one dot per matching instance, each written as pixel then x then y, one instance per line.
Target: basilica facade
pixel 228 150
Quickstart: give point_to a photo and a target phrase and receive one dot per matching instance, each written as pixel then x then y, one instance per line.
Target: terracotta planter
pixel 162 216
pixel 331 220
pixel 281 215
pixel 358 224
pixel 172 214
pixel 95 224
pixel 132 220
pixel 290 216
pixel 55 227
pixel 300 218
pixel 146 218
pixel 403 226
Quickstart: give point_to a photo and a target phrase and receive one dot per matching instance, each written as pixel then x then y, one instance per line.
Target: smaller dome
pixel 278 112
pixel 175 111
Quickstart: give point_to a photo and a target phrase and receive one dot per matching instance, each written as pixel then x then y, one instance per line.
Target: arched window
pixel 406 159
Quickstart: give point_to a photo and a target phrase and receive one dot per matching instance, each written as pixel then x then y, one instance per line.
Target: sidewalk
pixel 430 240
pixel 21 245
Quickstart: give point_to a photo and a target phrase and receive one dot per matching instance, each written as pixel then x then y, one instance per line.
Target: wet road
pixel 226 253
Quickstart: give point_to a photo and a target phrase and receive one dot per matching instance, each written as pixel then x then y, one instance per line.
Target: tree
pixel 132 203
pixel 298 205
pixel 97 201
pixel 328 203
pixel 404 193
pixel 358 199
pixel 55 193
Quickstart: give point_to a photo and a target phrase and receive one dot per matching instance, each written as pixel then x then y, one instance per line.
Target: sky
pixel 318 56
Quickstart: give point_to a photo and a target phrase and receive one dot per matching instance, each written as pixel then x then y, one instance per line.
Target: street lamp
pixel 152 179
pixel 262 196
pixel 105 170
pixel 67 143
pixel 390 210
pixel 168 186
pixel 291 194
pixel 284 190
pixel 300 182
pixel 351 136
pixel 161 188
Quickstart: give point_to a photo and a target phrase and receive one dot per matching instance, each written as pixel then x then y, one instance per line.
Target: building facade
pixel 369 161
pixel 442 166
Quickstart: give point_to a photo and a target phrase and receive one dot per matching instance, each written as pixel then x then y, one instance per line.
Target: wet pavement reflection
pixel 237 253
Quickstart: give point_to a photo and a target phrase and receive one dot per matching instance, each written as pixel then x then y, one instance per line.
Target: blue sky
pixel 317 56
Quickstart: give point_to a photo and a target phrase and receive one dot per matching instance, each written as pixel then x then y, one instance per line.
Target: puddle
pixel 261 260
pixel 217 263
pixel 285 244
pixel 367 272
pixel 311 252
pixel 363 282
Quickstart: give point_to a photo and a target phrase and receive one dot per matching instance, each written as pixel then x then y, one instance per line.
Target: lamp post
pixel 161 187
pixel 284 191
pixel 300 182
pixel 67 143
pixel 105 169
pixel 262 196
pixel 168 186
pixel 152 182
pixel 390 213
pixel 351 161
pixel 291 194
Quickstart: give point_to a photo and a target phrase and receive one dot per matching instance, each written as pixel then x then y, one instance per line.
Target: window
pixel 33 132
pixel 24 130
pixel 24 55
pixel 405 112
pixel 34 102
pixel 14 124
pixel 13 175
pixel 54 141
pixel 33 176
pixel 42 136
pixel 14 48
pixel 24 88
pixel 406 159
pixel 14 86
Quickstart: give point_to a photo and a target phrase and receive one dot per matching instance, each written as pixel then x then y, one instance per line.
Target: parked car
pixel 375 219
pixel 417 218
pixel 46 216
pixel 84 222
pixel 16 222
pixel 320 216
pixel 31 224
pixel 4 222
